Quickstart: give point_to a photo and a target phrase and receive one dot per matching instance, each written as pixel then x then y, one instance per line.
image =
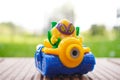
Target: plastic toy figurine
pixel 63 52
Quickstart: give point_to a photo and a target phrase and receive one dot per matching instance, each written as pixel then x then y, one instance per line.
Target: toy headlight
pixel 75 53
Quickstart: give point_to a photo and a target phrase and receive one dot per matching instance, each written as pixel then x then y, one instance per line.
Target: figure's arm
pixel 53 39
pixel 47 43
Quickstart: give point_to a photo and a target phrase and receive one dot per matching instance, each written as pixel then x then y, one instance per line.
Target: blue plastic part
pixel 50 65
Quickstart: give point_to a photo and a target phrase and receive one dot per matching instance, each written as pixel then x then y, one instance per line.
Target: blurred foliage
pixel 97 30
pixel 15 42
pixel 21 46
pixel 107 45
pixel 116 30
pixel 10 28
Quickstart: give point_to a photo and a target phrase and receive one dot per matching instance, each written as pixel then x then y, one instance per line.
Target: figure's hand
pixel 53 39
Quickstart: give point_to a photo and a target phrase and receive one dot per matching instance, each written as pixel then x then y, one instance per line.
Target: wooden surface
pixel 24 69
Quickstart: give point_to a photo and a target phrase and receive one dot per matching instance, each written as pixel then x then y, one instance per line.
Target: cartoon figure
pixel 59 31
pixel 63 49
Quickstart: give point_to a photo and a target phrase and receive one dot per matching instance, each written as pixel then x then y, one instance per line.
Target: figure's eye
pixel 62 28
pixel 71 29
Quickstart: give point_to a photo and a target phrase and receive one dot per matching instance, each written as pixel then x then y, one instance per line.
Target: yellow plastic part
pixel 66 46
pixel 47 43
pixel 52 51
pixel 86 49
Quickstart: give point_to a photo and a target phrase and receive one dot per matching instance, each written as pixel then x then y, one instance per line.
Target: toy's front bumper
pixel 50 65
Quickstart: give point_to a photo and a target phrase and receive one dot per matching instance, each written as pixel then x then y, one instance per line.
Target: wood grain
pixel 24 69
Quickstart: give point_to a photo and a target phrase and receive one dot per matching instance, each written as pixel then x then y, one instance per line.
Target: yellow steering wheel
pixel 70 51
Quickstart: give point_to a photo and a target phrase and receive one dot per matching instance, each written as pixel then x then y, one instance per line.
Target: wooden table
pixel 24 69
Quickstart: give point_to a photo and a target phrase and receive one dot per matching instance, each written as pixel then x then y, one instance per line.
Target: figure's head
pixel 65 27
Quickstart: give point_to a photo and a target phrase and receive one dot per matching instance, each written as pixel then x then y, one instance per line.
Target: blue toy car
pixel 50 65
pixel 63 52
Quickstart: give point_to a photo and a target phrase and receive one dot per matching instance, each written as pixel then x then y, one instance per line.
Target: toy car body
pixel 51 65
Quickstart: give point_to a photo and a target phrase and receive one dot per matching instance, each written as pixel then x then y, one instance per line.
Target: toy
pixel 63 52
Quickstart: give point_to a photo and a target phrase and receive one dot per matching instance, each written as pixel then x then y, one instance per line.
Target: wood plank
pixel 32 72
pixel 24 69
pixel 38 76
pixel 114 60
pixel 111 66
pixel 6 64
pixel 98 75
pixel 92 76
pixel 100 72
pixel 13 72
pixel 109 69
pixel 1 60
pixel 10 70
pixel 103 72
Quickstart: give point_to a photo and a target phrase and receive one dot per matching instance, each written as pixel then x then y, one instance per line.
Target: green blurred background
pixel 16 41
